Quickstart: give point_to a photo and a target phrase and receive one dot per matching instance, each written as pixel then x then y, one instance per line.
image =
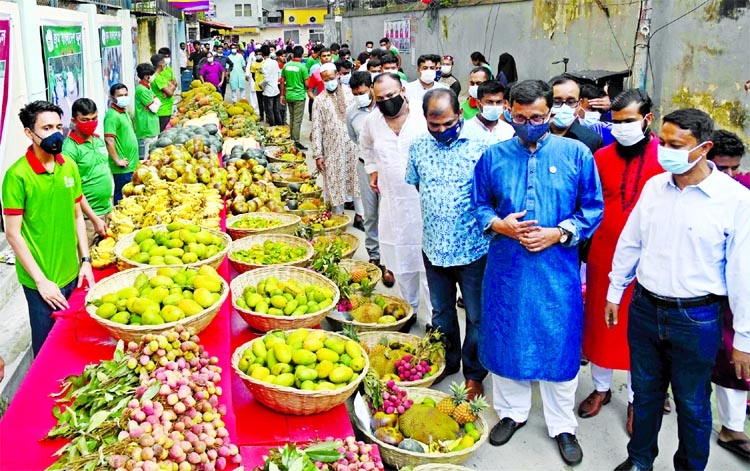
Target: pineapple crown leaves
pixel 459 392
pixel 478 404
pixel 350 331
pixel 430 346
pixel 373 389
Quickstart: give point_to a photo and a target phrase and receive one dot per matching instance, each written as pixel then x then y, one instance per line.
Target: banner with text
pixel 63 63
pixel 110 40
pixel 4 71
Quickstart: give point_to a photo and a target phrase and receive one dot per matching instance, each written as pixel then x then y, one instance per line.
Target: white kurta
pixel 400 219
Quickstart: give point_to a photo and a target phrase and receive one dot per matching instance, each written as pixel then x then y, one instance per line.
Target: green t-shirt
pixel 468 110
pixel 47 203
pixel 146 122
pixel 118 125
pixel 92 159
pixel 161 80
pixel 295 74
pixel 311 62
pixel 403 76
pixel 394 50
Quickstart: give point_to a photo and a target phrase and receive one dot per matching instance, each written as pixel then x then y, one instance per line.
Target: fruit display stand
pixel 197 323
pixel 246 242
pixel 398 457
pixel 287 224
pixel 266 322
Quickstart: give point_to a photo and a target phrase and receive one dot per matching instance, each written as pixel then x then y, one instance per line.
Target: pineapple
pixel 458 396
pixel 351 332
pixel 469 411
pixel 380 348
pixel 358 273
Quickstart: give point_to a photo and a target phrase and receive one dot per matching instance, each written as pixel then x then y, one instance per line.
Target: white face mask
pixel 374 75
pixel 167 60
pixel 446 69
pixel 209 59
pixel 345 78
pixel 492 112
pixel 591 117
pixel 628 134
pixel 677 161
pixel 362 100
pixel 122 101
pixel 427 76
pixel 473 91
pixel 331 85
pixel 368 50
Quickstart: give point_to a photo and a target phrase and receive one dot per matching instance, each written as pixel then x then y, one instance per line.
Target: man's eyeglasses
pixel 521 119
pixel 558 102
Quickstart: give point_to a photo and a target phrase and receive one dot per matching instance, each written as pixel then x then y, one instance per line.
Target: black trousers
pixel 272 108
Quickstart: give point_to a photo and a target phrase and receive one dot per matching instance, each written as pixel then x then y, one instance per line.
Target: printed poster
pixel 4 70
pixel 110 40
pixel 399 32
pixel 63 62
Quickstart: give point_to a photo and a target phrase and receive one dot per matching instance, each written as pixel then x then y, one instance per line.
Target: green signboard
pixel 63 62
pixel 110 39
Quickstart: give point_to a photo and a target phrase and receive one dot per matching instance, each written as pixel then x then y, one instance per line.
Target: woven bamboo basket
pixel 249 241
pixel 127 240
pixel 266 322
pixel 288 224
pixel 338 322
pixel 312 194
pixel 441 467
pixel 117 281
pixel 351 240
pixel 273 158
pixel 374 273
pixel 342 223
pixel 295 401
pixel 373 338
pixel 398 458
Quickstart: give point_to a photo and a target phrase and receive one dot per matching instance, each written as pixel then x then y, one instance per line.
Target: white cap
pixel 327 67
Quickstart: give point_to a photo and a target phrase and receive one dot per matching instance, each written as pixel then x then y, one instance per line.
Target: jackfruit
pixel 234 110
pixel 195 84
pixel 427 424
pixel 367 313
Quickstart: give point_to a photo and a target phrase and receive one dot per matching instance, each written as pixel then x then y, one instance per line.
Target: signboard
pixel 110 41
pixel 63 63
pixel 399 33
pixel 4 70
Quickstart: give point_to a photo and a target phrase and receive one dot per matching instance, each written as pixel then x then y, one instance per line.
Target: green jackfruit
pixel 426 424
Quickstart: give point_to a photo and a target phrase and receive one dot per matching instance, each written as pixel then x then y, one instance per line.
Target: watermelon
pixel 211 128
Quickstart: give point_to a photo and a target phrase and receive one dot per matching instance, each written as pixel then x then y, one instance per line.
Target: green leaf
pixel 120 350
pixel 151 391
pixel 97 419
pixel 82 446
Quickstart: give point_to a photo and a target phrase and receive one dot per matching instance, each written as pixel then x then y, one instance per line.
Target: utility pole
pixel 640 49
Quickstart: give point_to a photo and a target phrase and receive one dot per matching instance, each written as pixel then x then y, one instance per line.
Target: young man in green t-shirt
pixel 89 153
pixel 119 135
pixel 163 85
pixel 293 91
pixel 146 107
pixel 44 221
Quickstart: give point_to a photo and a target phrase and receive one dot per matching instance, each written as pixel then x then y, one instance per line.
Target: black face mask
pixel 51 144
pixel 391 106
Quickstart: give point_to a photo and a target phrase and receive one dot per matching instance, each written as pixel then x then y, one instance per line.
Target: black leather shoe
pixel 628 465
pixel 569 448
pixel 503 431
pixel 299 146
pixel 359 223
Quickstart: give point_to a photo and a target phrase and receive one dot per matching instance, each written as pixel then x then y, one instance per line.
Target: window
pixel 316 35
pixel 243 10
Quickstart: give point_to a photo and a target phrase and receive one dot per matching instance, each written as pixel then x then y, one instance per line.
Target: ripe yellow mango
pixel 203 297
pixel 209 283
pixel 304 357
pixel 341 374
pixel 189 307
pixel 283 352
pixel 327 354
pixel 106 310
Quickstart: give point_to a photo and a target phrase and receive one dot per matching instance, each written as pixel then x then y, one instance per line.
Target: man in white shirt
pixel 387 133
pixel 687 242
pixel 270 86
pixel 491 101
pixel 427 67
pixel 182 57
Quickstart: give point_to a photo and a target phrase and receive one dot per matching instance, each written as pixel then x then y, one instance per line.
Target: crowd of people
pixel 501 196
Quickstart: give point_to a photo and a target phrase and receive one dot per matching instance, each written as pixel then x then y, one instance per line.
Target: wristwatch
pixel 564 235
pixel 86 259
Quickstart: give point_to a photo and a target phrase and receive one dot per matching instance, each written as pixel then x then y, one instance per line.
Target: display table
pixel 77 340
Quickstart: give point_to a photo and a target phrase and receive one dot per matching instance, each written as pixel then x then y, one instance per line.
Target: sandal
pixel 667 406
pixel 735 446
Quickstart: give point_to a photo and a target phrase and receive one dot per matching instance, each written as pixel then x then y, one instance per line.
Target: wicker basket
pixel 373 338
pixel 288 224
pixel 272 158
pixel 266 322
pixel 117 281
pixel 351 240
pixel 398 458
pixel 373 271
pixel 128 240
pixel 337 321
pixel 294 401
pixel 247 242
pixel 342 223
pixel 441 467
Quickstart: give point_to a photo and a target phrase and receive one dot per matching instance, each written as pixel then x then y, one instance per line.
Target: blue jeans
pixel 676 346
pixel 442 282
pixel 121 179
pixel 40 314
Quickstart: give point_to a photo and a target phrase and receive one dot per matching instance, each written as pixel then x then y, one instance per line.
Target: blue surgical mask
pixel 122 101
pixel 448 136
pixel 345 78
pixel 677 161
pixel 492 112
pixel 530 133
pixel 564 116
pixel 508 117
pixel 331 85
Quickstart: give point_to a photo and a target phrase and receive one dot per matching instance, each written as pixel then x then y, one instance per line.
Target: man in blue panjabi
pixel 536 195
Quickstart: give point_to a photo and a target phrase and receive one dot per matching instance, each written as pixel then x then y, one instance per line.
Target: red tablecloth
pixel 77 340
